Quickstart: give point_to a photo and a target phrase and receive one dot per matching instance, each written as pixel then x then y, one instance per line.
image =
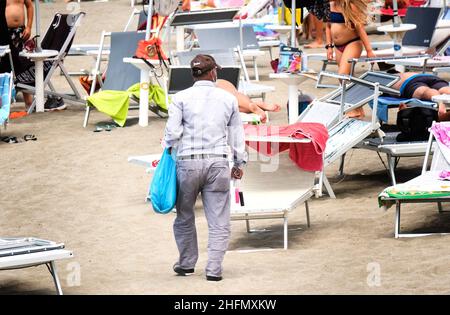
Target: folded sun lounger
pixel 17 253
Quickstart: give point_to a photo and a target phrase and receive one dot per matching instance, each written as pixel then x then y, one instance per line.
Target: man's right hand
pixel 236 172
pixel 26 34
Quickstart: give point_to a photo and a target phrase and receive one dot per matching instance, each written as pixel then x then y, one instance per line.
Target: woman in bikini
pixel 345 32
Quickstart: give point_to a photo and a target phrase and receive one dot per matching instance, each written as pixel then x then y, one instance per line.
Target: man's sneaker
pixel 213 278
pixel 181 271
pixel 54 103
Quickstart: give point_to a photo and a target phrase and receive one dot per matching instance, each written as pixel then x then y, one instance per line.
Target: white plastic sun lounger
pixel 270 191
pixel 422 185
pixel 17 253
pixel 272 195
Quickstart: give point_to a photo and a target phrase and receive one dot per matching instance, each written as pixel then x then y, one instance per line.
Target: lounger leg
pixel 327 185
pixel 397 220
pixel 440 207
pixel 341 166
pixel 247 224
pixel 52 268
pixel 391 166
pixel 255 66
pixel 285 232
pixel 86 116
pixel 308 222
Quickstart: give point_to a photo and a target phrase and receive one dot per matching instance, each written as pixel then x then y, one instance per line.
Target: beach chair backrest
pixel 59 32
pixel 204 16
pixel 180 77
pixel 425 19
pixel 5 93
pixel 356 94
pixel 223 57
pixel 227 37
pixel 119 75
pixel 320 112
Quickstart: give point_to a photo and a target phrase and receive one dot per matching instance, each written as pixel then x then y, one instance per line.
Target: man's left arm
pixel 30 15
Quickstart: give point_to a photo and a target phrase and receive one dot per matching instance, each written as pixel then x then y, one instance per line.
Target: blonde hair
pixel 354 12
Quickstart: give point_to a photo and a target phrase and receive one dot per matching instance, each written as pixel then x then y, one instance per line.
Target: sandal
pixel 10 139
pixel 29 138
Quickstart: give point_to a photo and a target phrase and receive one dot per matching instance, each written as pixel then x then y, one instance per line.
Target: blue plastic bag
pixel 163 188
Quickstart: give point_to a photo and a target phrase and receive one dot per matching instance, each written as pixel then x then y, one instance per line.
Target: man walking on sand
pixel 203 121
pixel 19 32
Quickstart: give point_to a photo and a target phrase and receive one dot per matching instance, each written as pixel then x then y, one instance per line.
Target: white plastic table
pixel 38 58
pixel 284 30
pixel 293 81
pixel 145 83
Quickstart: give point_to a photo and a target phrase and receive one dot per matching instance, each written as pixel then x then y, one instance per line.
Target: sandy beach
pixel 75 186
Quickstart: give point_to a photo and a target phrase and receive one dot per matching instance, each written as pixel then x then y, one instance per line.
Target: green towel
pixel 113 103
pixel 116 103
pixel 155 94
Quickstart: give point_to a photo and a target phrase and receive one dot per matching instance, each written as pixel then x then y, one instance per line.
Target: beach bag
pixel 165 7
pixel 163 188
pixel 413 123
pixel 150 49
pixel 290 59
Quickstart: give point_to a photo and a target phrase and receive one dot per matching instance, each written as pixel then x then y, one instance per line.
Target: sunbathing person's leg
pixel 246 105
pixel 444 90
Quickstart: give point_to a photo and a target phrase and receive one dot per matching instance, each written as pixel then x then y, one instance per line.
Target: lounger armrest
pixel 276 139
pixel 380 59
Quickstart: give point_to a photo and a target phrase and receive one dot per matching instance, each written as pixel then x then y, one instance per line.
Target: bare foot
pixel 268 107
pixel 314 44
pixel 402 106
pixel 357 113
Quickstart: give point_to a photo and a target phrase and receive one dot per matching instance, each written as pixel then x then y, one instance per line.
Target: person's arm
pixel 236 140
pixel 174 126
pixel 360 29
pixel 329 42
pixel 30 15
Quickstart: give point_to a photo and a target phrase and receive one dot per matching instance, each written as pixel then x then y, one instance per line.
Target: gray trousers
pixel 211 177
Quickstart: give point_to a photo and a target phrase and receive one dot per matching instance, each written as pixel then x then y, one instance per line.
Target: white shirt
pixel 205 119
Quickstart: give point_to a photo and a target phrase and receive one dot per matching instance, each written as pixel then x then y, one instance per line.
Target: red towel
pixel 307 156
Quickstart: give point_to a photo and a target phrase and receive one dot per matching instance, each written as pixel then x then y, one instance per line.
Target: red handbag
pixel 150 49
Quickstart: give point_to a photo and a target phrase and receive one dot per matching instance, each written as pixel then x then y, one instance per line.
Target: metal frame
pixel 276 215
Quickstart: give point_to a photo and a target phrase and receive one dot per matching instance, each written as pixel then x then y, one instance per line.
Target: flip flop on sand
pixel 10 139
pixel 29 138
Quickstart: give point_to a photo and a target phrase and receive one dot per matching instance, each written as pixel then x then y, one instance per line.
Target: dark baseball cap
pixel 201 64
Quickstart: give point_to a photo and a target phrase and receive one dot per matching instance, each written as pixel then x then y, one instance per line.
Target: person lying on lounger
pixel 246 105
pixel 423 87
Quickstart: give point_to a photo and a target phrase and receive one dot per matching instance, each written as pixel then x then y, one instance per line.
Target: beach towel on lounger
pixel 307 156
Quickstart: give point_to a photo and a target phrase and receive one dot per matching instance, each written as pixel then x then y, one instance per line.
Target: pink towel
pixel 307 156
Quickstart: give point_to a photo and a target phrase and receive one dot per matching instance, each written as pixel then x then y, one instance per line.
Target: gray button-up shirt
pixel 205 119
